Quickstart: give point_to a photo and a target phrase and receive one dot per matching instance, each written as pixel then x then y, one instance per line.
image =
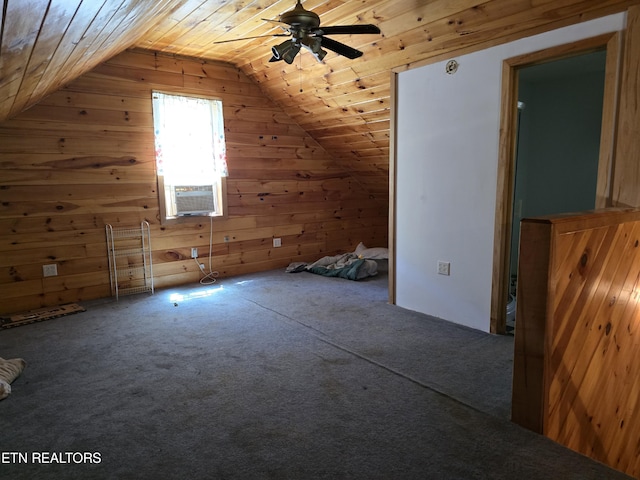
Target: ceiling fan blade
pixel 252 38
pixel 346 30
pixel 340 48
pixel 277 22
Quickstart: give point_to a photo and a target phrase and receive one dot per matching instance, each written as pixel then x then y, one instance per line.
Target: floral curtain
pixel 189 139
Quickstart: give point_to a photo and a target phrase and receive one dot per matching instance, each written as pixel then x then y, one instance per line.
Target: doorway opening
pixel 557 148
pixel 556 144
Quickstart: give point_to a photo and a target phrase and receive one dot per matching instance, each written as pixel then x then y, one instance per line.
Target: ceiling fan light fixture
pixel 314 45
pixel 320 54
pixel 291 53
pixel 280 50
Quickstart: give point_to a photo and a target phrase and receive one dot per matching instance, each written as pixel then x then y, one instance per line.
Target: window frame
pixel 160 178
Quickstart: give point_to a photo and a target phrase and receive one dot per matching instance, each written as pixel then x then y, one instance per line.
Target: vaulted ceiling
pixel 344 104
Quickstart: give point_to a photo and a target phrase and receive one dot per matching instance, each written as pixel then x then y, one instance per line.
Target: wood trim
pixel 626 173
pixel 506 154
pixel 393 175
pixel 610 104
pixel 587 45
pixel 504 196
pixel 527 401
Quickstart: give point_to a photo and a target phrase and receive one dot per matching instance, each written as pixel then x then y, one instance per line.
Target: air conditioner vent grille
pixel 195 199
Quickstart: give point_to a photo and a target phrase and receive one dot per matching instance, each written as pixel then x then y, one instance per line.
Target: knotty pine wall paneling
pixel 576 373
pixel 84 157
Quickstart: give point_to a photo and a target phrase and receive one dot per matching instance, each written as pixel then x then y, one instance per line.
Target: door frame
pixel 611 42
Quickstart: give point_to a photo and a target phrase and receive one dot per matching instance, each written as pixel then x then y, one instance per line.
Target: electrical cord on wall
pixel 209 278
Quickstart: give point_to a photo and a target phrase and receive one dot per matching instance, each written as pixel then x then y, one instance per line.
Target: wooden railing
pixel 577 346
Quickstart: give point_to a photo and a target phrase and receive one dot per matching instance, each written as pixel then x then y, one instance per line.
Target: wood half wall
pixel 84 157
pixel 577 349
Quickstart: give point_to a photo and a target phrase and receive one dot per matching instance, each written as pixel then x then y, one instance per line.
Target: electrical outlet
pixel 194 252
pixel 226 239
pixel 202 266
pixel 277 242
pixel 444 268
pixel 50 270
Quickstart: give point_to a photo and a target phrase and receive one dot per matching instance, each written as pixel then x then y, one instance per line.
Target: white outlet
pixel 277 242
pixel 194 252
pixel 444 268
pixel 50 270
pixel 226 238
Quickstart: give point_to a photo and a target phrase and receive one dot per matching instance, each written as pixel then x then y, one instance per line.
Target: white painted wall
pixel 447 161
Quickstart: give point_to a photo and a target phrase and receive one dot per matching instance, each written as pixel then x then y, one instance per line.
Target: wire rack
pixel 130 265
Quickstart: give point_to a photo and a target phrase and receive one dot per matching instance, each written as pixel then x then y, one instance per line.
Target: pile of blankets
pixel 353 266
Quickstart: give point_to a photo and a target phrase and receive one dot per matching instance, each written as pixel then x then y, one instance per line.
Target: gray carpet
pixel 269 376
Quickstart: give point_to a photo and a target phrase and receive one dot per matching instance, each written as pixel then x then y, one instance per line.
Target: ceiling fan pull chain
pixel 300 71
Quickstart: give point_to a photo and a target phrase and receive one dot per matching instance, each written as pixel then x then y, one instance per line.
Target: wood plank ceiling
pixel 343 104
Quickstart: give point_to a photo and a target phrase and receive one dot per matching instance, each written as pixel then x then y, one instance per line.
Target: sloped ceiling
pixel 344 104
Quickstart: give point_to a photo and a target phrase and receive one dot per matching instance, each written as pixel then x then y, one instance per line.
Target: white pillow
pixel 375 253
pixel 360 248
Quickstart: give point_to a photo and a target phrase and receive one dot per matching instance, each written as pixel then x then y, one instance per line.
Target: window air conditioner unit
pixel 195 199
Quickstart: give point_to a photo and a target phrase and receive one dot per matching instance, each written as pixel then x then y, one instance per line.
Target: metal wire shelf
pixel 130 264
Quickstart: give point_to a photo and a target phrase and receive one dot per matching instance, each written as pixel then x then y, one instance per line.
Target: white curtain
pixel 189 139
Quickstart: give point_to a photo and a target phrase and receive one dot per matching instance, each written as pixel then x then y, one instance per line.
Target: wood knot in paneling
pixel 607 329
pixel 13 272
pixel 172 255
pixel 582 265
pixel 583 259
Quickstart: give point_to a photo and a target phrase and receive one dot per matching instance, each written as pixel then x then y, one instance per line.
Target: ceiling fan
pixel 304 28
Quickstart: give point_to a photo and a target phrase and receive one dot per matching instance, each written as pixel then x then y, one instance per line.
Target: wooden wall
pixel 84 157
pixel 577 354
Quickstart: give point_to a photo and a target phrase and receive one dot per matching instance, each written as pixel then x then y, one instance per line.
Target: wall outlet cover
pixel 277 242
pixel 50 270
pixel 444 268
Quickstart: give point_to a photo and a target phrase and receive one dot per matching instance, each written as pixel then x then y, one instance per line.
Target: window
pixel 190 155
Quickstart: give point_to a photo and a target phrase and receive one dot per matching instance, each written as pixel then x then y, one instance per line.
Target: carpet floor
pixel 267 376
